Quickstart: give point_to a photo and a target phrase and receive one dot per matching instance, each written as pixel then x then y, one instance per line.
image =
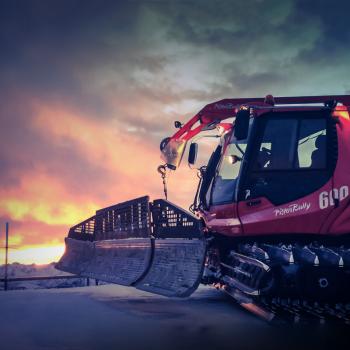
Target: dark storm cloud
pixel 234 26
pixel 275 43
pixel 331 47
pixel 49 46
pixel 45 44
pixel 225 25
pixel 253 81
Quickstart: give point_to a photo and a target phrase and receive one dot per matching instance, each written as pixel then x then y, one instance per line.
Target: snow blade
pixel 176 267
pixel 120 245
pixel 122 261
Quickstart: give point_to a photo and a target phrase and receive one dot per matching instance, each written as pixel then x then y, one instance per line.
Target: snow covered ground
pixel 115 317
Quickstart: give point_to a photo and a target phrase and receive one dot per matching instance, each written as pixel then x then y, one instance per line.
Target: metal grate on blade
pixel 170 221
pixel 132 219
pixel 129 219
pixel 84 230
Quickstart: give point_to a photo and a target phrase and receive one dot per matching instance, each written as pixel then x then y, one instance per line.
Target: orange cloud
pixel 44 199
pixel 100 141
pixel 105 144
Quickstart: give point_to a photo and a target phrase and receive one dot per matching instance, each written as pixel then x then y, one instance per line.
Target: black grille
pixel 132 219
pixel 170 221
pixel 129 219
pixel 84 230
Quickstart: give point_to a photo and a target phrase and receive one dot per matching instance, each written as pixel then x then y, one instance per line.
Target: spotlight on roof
pixel 269 100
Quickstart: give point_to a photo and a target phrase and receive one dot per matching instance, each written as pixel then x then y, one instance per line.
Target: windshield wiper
pixel 240 149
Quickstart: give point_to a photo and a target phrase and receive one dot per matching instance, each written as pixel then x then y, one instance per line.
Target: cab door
pixel 291 163
pixel 222 216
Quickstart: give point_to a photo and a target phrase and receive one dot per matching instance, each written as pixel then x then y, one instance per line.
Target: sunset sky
pixel 89 88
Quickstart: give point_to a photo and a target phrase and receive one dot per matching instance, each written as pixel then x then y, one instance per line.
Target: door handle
pixel 254 202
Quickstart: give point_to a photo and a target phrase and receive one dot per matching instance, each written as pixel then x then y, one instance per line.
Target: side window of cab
pixel 291 156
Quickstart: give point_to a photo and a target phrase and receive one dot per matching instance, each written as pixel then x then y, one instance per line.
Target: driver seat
pixel 318 157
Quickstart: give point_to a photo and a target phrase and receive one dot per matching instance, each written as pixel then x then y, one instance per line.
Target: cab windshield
pixel 225 181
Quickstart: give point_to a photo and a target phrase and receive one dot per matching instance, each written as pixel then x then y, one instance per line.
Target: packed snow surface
pixel 115 317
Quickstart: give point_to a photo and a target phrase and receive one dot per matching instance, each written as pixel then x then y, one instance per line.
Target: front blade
pixel 169 267
pixel 118 246
pixel 120 261
pixel 77 256
pixel 176 268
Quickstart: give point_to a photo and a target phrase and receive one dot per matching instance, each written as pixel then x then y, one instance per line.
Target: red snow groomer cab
pixel 270 222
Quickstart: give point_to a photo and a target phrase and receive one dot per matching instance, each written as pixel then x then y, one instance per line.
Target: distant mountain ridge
pixel 21 270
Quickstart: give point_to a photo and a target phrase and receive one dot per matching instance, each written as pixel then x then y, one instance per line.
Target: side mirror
pixel 242 124
pixel 192 154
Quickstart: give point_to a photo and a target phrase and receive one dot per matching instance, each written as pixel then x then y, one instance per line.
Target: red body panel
pixel 339 220
pixel 224 219
pixel 300 216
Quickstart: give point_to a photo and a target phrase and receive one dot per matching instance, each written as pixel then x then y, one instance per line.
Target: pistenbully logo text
pixel 292 208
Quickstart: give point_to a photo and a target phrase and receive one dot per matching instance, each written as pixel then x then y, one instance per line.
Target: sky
pixel 88 89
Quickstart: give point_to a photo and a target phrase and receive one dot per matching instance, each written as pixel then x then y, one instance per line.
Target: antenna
pixel 6 253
